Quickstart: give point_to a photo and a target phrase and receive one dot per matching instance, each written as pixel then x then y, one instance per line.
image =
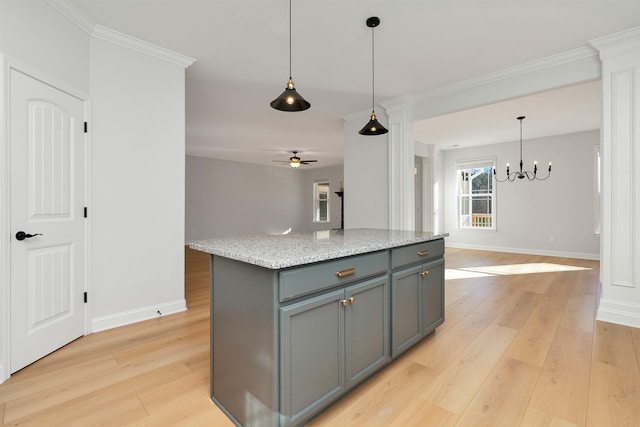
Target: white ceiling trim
pixel 73 14
pixel 618 43
pixel 133 43
pixel 505 74
pixel 405 101
pixel 87 25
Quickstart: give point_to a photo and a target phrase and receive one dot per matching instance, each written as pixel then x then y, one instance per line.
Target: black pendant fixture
pixel 373 127
pixel 290 99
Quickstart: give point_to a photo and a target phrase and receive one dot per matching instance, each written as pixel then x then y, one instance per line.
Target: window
pixel 476 194
pixel 321 201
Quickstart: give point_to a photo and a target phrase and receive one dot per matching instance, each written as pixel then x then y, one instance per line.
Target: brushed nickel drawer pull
pixel 425 273
pixel 423 253
pixel 347 272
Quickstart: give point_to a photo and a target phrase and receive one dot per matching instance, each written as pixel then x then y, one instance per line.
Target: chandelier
pixel 521 174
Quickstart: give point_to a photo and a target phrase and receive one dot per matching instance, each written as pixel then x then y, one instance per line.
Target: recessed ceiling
pixel 241 51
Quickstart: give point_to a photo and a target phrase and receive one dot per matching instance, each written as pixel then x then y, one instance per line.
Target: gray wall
pixel 225 198
pixel 555 217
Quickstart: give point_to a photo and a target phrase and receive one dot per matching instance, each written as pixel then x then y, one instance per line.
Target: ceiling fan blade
pixel 304 162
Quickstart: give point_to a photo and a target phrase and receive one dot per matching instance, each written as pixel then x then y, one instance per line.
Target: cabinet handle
pixel 347 272
pixel 425 273
pixel 344 302
pixel 423 253
pixel 352 300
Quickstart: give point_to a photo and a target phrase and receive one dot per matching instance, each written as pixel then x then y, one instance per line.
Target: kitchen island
pixel 298 320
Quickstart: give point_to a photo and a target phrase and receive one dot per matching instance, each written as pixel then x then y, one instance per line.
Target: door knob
pixel 21 235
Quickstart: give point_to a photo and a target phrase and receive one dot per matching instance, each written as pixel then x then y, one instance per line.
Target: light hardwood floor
pixel 519 347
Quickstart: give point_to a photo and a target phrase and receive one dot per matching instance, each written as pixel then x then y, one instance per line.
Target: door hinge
pixel 85 298
pixel 85 127
pixel 85 211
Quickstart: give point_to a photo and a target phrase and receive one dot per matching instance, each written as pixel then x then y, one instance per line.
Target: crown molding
pixel 86 24
pixel 73 14
pixel 617 44
pixel 408 101
pixel 507 73
pixel 113 36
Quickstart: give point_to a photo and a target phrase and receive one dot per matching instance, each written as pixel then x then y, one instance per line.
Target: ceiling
pixel 242 64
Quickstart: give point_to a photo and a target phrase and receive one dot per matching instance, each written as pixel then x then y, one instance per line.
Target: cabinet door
pixel 432 296
pixel 405 309
pixel 312 355
pixel 367 328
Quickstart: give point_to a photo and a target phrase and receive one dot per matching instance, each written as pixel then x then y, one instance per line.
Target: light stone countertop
pixel 289 250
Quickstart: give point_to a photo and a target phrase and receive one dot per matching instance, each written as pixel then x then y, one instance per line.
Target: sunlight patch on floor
pixel 505 270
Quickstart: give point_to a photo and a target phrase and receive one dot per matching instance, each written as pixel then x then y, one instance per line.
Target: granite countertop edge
pixel 283 251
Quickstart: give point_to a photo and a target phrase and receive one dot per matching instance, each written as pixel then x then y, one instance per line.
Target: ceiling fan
pixel 295 161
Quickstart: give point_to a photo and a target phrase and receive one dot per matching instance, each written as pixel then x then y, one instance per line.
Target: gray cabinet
pixel 286 343
pixel 417 294
pixel 329 343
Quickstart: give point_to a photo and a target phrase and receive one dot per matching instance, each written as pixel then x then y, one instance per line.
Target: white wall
pixel 528 214
pixel 138 144
pixel 225 198
pixel 35 34
pixel 366 176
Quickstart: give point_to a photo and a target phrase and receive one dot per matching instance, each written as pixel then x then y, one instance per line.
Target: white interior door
pixel 47 202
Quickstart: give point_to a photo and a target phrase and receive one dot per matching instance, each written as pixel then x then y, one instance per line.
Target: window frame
pixel 466 165
pixel 316 200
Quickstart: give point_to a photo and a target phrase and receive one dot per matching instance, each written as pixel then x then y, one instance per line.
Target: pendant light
pixel 522 174
pixel 290 99
pixel 373 127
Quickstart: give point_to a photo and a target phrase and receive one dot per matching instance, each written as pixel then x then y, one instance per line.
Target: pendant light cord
pixel 373 71
pixel 289 39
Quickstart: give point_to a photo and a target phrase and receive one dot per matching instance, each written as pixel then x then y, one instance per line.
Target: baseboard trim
pixel 578 255
pixel 620 312
pixel 137 315
pixel 2 375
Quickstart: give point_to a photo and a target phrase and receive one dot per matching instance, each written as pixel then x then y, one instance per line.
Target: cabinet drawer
pixel 417 253
pixel 305 280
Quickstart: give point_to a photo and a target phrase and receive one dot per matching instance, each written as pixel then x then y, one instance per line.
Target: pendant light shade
pixel 290 99
pixel 373 127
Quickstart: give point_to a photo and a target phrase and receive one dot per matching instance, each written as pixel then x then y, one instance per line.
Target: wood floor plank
pixel 502 399
pixel 535 418
pixel 562 389
pixel 119 377
pixel 535 337
pixel 458 384
pixel 614 397
pixel 614 390
pixel 519 311
pixel 422 413
pixel 439 349
pixel 383 398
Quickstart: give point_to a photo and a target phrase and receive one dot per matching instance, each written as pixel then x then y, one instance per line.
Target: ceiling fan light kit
pixel 522 174
pixel 290 99
pixel 295 161
pixel 374 127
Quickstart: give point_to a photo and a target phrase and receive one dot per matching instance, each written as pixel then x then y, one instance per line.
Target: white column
pixel 620 234
pixel 401 169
